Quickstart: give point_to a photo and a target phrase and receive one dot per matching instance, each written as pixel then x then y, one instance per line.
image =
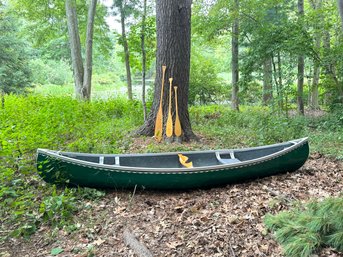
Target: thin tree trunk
pixel 330 68
pixel 75 47
pixel 87 79
pixel 143 59
pixel 340 10
pixel 313 90
pixel 301 64
pixel 2 99
pixel 276 82
pixel 267 81
pixel 340 85
pixel 234 60
pixel 280 91
pixel 173 29
pixel 127 53
pixel 314 103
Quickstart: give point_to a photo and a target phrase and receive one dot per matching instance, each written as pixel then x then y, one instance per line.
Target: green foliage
pixel 205 86
pixel 27 123
pixel 134 42
pixel 56 251
pixel 15 75
pixel 302 231
pixel 57 209
pixel 251 126
pixel 46 28
pixel 50 72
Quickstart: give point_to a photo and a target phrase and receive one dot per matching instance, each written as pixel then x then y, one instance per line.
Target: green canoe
pixel 164 170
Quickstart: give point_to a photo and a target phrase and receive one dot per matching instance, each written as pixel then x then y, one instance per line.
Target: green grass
pixel 62 123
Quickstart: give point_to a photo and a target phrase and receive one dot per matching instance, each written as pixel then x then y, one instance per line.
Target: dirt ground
pixel 225 221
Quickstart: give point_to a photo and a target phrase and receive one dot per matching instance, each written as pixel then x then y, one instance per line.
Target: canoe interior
pixel 171 160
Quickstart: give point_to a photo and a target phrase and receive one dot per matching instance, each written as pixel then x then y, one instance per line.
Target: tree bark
pixel 340 85
pixel 301 65
pixel 313 90
pixel 87 79
pixel 267 81
pixel 75 47
pixel 143 59
pixel 126 51
pixel 314 100
pixel 340 10
pixel 234 60
pixel 173 24
pixel 279 89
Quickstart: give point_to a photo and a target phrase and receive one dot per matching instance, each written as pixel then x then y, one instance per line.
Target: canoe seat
pixel 227 161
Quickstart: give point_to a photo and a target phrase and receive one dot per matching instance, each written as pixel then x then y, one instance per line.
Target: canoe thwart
pixel 227 160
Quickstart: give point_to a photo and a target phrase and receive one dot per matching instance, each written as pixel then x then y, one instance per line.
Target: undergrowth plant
pixel 34 121
pixel 303 231
pixel 62 123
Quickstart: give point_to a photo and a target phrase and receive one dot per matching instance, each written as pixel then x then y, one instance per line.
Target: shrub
pixel 302 231
pixel 15 75
pixel 33 121
pixel 50 72
pixel 205 86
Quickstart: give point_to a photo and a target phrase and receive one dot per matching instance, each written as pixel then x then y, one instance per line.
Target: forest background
pixel 261 72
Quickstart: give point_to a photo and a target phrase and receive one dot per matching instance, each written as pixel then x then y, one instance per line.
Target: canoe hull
pixel 55 170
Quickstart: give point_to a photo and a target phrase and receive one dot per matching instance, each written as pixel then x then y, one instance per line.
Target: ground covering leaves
pixel 224 221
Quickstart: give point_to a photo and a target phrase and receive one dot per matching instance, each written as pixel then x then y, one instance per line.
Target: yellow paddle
pixel 178 130
pixel 159 116
pixel 183 160
pixel 169 128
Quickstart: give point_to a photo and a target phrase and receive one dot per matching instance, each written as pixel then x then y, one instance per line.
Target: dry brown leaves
pixel 224 221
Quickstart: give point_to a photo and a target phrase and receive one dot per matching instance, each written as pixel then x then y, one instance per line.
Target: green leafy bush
pixel 34 121
pixel 58 208
pixel 50 72
pixel 303 231
pixel 252 126
pixel 204 85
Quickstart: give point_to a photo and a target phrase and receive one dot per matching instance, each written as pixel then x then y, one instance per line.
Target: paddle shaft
pixel 169 127
pixel 159 116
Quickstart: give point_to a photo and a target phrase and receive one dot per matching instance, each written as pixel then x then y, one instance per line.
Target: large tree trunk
pixel 143 59
pixel 173 23
pixel 234 60
pixel 301 65
pixel 75 47
pixel 126 51
pixel 267 81
pixel 87 79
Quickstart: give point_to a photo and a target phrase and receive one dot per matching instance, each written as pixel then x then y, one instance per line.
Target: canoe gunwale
pixel 185 171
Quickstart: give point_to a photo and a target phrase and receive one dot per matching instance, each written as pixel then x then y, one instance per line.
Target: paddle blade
pixel 178 130
pixel 183 160
pixel 169 127
pixel 158 126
